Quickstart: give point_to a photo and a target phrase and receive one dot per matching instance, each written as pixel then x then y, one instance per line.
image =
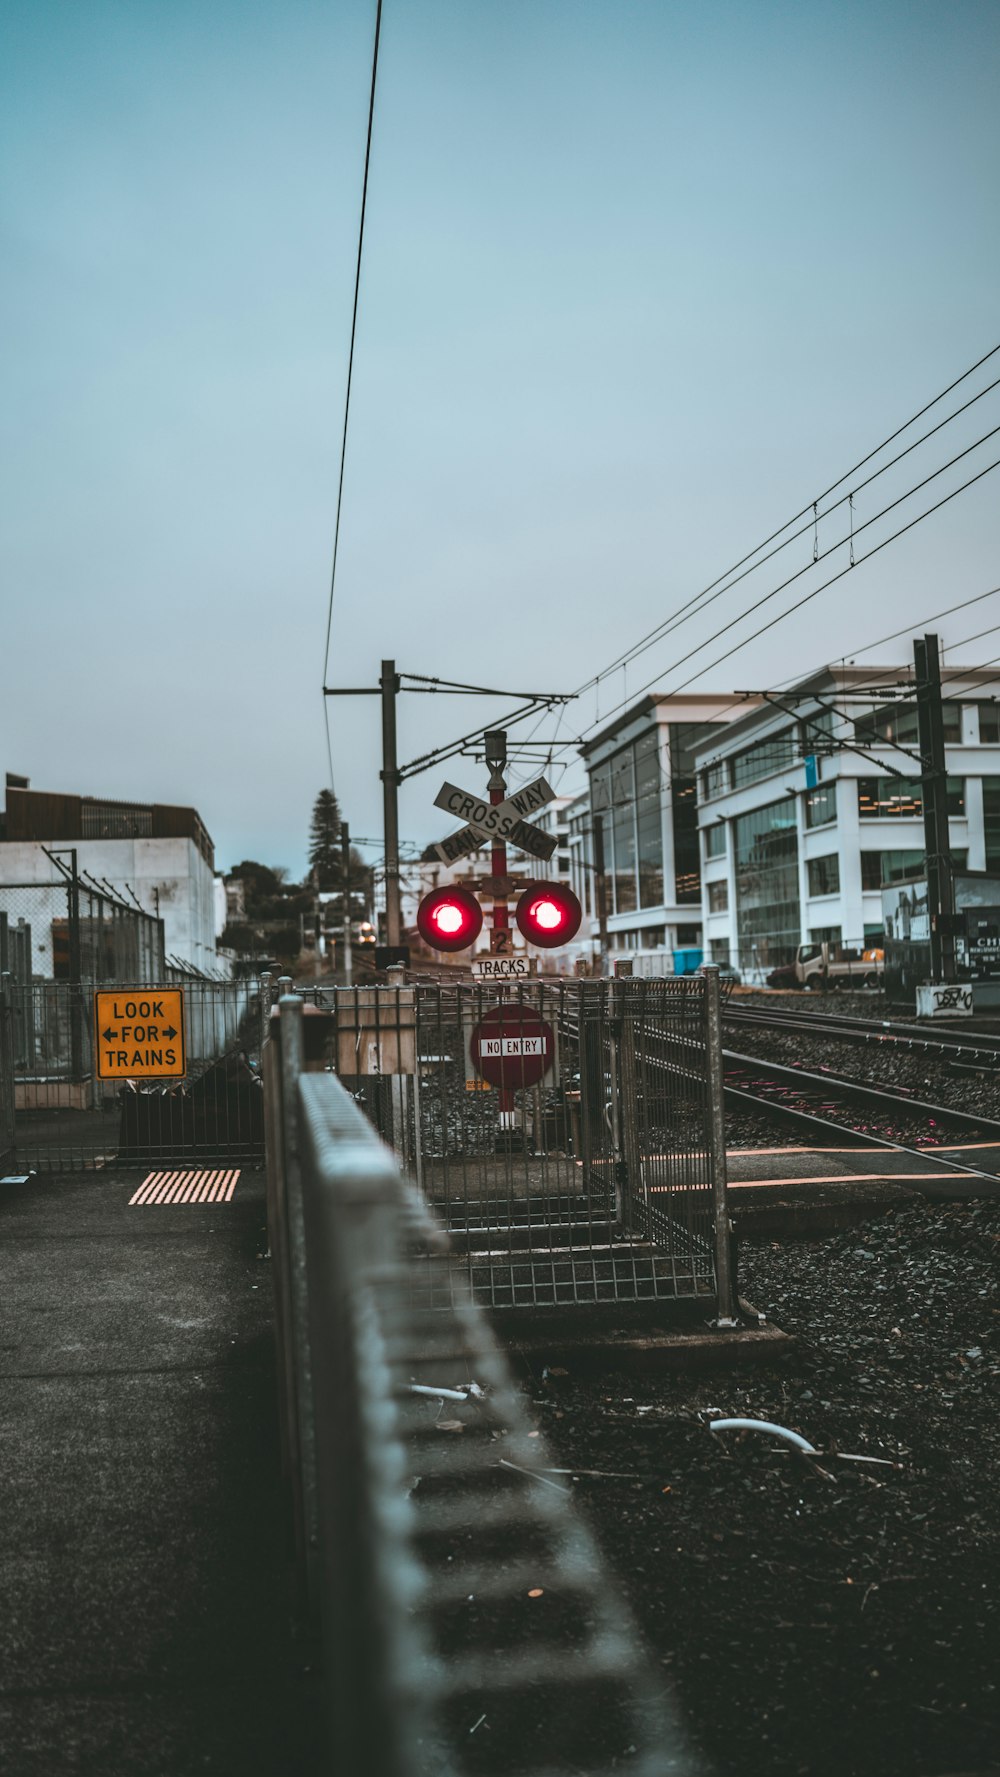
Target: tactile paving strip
pixel 186 1187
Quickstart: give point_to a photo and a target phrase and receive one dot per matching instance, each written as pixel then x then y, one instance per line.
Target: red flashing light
pixel 548 914
pixel 449 919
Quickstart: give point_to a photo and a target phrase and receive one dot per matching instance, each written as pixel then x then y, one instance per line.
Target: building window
pixel 897 722
pixel 718 897
pixel 684 811
pixel 720 950
pixel 824 935
pixel 776 753
pixel 766 855
pixel 688 937
pixel 715 840
pixel 648 820
pixel 562 861
pixel 816 732
pixel 890 798
pixel 989 723
pixel 715 779
pixel 991 820
pixel 824 875
pixel 821 805
pixel 878 867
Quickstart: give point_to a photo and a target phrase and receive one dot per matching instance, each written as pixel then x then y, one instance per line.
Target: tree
pixel 324 840
pixel 260 884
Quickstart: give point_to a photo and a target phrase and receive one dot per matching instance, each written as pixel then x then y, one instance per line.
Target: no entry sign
pixel 512 1046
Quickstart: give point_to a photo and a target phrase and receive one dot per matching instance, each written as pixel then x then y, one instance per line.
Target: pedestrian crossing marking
pixel 186 1187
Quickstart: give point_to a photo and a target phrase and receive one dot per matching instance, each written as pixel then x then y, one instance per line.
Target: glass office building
pixel 766 860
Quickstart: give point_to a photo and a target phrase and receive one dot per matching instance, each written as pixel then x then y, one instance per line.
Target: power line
pixel 350 357
pixel 875 550
pixel 701 600
pixel 857 562
pixel 907 630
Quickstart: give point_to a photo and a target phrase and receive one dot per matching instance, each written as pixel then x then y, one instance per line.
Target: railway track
pixel 979 1049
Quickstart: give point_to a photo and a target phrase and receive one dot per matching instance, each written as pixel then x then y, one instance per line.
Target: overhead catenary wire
pixel 806 511
pixel 814 593
pixel 350 368
pixel 908 629
pixel 701 601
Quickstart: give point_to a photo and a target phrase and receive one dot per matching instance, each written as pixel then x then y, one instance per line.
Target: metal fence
pixel 72 929
pixel 469 1624
pixel 569 1134
pixel 6 1085
pixel 67 1119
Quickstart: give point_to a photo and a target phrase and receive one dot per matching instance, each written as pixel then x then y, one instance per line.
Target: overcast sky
pixel 640 281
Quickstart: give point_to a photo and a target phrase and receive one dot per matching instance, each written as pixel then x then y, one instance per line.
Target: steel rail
pixel 851 1089
pixel 951 1044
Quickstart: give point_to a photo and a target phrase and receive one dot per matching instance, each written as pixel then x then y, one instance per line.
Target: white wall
pixel 168 877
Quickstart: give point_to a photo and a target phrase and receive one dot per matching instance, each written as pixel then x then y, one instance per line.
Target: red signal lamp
pixel 449 919
pixel 548 914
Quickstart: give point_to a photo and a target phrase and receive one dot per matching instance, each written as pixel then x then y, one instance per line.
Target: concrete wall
pixel 168 877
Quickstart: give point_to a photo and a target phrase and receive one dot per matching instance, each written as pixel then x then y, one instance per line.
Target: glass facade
pixel 649 830
pixel 715 779
pixel 627 790
pixel 621 864
pixel 768 915
pixel 824 875
pixel 898 722
pixel 776 753
pixel 825 935
pixel 889 866
pixel 684 812
pixel 821 805
pixel 816 732
pixel 991 821
pixel 888 798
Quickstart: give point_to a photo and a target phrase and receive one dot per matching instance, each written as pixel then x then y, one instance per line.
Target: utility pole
pixel 389 687
pixel 934 795
pixel 601 887
pixel 345 853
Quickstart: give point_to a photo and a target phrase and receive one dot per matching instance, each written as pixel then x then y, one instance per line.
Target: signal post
pixel 500 934
pixel 512 1046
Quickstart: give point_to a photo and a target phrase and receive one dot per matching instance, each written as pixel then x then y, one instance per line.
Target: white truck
pixel 819 966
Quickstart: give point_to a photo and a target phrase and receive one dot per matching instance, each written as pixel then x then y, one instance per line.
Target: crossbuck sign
pixel 498 821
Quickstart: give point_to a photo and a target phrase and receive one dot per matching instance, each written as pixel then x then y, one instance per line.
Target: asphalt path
pixel 149 1622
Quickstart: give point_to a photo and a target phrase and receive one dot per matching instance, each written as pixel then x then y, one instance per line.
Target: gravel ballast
pixel 832 1617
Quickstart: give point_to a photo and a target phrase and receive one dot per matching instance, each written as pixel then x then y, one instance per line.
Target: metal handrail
pixel 417 1545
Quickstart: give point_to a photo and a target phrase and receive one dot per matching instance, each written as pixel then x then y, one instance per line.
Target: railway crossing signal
pixel 548 914
pixel 449 918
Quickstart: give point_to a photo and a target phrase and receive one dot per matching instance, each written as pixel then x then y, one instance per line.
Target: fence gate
pixel 567 1134
pixel 66 1119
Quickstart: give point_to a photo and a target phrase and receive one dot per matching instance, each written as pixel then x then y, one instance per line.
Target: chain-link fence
pixel 567 1133
pixel 66 1117
pixel 6 1084
pixel 71 930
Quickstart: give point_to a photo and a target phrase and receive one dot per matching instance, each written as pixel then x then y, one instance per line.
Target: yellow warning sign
pixel 139 1033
